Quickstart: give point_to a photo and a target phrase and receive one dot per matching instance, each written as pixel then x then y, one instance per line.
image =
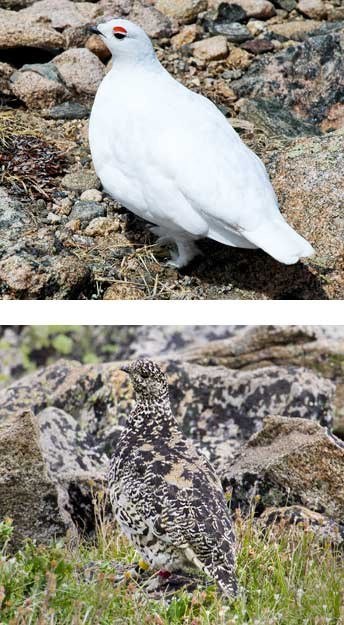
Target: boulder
pixel 306 176
pixel 155 23
pixel 60 13
pixel 289 462
pixel 80 70
pixel 218 408
pixel 324 529
pixel 36 90
pixel 304 78
pixel 28 32
pixel 27 493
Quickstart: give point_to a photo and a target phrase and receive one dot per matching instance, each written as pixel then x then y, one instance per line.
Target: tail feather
pixel 279 240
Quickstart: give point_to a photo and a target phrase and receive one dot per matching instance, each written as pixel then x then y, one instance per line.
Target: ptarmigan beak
pixel 95 30
pixel 125 368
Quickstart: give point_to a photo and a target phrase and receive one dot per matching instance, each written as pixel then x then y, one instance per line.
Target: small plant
pixel 286 577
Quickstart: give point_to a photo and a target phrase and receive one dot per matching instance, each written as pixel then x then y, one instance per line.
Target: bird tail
pixel 225 577
pixel 279 240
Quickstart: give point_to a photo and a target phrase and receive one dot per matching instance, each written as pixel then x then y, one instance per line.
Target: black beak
pixel 125 368
pixel 94 29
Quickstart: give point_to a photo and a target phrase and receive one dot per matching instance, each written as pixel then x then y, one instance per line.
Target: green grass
pixel 286 576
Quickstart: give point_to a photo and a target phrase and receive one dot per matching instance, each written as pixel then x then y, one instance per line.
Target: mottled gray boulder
pixel 304 78
pixel 324 529
pixel 289 462
pixel 218 408
pixel 77 413
pixel 27 493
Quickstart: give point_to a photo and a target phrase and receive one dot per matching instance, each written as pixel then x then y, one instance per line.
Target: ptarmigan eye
pixel 144 374
pixel 119 32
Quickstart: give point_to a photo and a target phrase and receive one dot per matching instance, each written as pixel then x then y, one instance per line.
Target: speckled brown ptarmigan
pixel 164 493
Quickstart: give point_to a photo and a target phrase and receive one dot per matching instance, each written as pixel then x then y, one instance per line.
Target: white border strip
pixel 144 312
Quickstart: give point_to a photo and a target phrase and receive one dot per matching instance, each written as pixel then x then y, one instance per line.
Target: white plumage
pixel 171 157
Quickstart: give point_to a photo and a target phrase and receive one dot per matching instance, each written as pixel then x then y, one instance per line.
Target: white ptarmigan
pixel 164 493
pixel 170 156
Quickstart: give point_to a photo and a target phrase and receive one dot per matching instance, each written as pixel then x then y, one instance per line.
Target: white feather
pixel 171 157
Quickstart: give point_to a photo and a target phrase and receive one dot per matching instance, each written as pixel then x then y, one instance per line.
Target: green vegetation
pixel 286 576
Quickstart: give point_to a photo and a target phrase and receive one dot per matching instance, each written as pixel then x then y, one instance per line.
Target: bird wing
pixel 192 513
pixel 196 151
pixel 197 521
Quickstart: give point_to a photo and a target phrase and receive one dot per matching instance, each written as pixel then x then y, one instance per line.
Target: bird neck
pixel 152 415
pixel 148 62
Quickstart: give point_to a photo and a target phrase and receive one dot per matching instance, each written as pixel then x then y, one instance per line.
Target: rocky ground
pixel 265 404
pixel 276 71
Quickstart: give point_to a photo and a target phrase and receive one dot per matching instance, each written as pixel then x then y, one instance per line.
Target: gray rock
pixel 305 78
pixel 269 117
pixel 234 31
pixel 324 529
pixel 13 215
pixel 27 494
pixel 67 110
pixel 86 211
pixel 286 5
pixel 48 70
pixel 289 462
pixel 81 181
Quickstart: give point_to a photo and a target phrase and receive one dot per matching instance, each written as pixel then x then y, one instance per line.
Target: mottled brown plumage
pixel 165 494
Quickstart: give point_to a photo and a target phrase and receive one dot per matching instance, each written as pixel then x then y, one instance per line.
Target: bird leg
pixel 186 251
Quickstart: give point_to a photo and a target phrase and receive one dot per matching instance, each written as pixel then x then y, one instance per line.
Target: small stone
pixel 238 59
pixel 231 13
pixel 52 218
pixel 73 225
pixel 67 110
pixel 91 195
pixel 123 291
pixel 80 69
pixel 261 9
pixel 183 10
pixel 295 30
pixel 186 36
pixel 63 207
pixel 102 226
pixel 286 5
pixel 315 9
pixel 258 46
pixel 80 181
pixel 211 49
pixel 233 31
pixel 256 27
pixel 97 46
pixel 6 72
pixel 86 211
pixel 225 91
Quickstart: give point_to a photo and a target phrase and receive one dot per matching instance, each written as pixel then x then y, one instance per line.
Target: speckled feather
pixel 165 495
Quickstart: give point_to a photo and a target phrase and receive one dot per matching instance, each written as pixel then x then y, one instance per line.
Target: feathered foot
pixel 186 248
pixel 186 251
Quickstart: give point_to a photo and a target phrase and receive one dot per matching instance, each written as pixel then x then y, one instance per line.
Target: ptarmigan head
pixel 125 40
pixel 148 380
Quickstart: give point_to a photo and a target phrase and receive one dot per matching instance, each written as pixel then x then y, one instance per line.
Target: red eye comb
pixel 119 29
